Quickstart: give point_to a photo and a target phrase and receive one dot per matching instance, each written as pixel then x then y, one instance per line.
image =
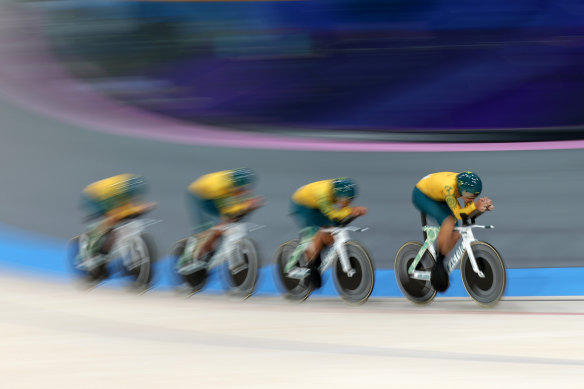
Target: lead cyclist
pixel 436 195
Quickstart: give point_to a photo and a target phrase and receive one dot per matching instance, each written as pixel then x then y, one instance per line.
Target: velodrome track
pixel 56 336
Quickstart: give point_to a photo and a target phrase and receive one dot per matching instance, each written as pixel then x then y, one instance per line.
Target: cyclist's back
pixel 225 193
pixel 112 200
pixel 319 196
pixel 219 197
pixel 115 196
pixel 442 187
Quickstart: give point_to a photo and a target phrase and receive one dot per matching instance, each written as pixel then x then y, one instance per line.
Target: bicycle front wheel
pixel 357 288
pixel 417 291
pixel 142 253
pixel 243 276
pixel 486 291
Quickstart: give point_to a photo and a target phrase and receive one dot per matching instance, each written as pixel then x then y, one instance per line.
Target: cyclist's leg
pixel 320 241
pixel 307 223
pixel 440 212
pixel 212 234
pixel 447 236
pixel 206 215
pixel 118 207
pixel 120 210
pixel 303 219
pixel 312 220
pixel 97 209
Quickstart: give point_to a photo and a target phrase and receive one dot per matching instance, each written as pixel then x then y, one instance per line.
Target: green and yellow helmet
pixel 469 182
pixel 344 187
pixel 242 176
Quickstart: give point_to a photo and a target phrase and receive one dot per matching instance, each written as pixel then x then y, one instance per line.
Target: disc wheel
pixel 142 254
pixel 292 289
pixel 87 279
pixel 417 291
pixel 243 277
pixel 357 288
pixel 486 291
pixel 195 280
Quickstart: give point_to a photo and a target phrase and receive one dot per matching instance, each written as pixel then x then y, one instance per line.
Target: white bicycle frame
pixel 233 232
pixel 126 232
pixel 453 258
pixel 341 236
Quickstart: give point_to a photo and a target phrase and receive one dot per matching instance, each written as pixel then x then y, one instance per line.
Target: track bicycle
pixel 134 248
pixel 353 269
pixel 237 257
pixel 481 267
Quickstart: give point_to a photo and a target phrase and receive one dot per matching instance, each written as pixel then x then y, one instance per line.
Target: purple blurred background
pixel 432 65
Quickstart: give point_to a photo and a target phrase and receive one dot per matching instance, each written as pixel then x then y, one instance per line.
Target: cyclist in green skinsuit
pixel 217 198
pixel 322 204
pixel 437 195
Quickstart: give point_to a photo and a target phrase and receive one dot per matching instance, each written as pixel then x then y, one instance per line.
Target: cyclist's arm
pixel 231 208
pixel 453 204
pixel 327 208
pixel 466 210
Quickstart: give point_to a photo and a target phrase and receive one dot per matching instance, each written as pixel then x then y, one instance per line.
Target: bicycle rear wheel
pixel 195 280
pixel 417 291
pixel 87 279
pixel 486 291
pixel 292 288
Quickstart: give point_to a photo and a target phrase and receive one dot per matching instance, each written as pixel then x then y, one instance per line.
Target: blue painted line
pixel 38 255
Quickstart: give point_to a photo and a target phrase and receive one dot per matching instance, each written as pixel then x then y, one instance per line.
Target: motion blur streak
pixel 362 66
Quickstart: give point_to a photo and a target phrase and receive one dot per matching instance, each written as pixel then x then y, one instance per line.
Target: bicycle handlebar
pixel 346 221
pixel 337 229
pixel 469 226
pixel 465 218
pixel 250 226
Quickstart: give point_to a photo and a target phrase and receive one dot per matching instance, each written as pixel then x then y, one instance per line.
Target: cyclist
pixel 437 195
pixel 112 200
pixel 322 204
pixel 218 198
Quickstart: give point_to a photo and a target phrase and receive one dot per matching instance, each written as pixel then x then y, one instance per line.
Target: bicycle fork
pixel 467 239
pixel 339 247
